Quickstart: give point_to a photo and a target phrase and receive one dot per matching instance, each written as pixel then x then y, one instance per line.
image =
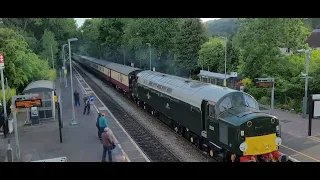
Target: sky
pixel 80 21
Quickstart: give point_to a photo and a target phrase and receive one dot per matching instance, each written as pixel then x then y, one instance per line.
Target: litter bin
pixel 34 115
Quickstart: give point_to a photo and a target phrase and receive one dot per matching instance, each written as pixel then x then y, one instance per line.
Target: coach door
pixel 211 123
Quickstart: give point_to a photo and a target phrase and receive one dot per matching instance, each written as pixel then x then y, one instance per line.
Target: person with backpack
pixel 107 144
pixel 103 123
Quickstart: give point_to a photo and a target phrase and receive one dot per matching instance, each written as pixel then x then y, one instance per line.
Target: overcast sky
pixel 80 21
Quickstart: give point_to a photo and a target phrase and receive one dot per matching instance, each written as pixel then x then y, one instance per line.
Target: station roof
pixel 39 86
pixel 213 75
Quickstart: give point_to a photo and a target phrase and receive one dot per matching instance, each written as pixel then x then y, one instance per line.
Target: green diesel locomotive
pixel 225 123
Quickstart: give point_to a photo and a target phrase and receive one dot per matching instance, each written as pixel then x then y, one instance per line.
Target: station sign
pixel 1 60
pixel 28 103
pixel 264 82
pixel 316 105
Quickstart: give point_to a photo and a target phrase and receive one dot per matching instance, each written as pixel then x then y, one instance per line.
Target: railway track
pixel 152 147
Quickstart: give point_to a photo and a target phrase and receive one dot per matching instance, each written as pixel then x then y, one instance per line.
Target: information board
pixel 28 103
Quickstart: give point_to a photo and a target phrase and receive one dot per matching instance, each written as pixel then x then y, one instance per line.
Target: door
pixel 211 122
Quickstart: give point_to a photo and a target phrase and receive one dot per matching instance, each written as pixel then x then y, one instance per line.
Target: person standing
pixel 87 107
pixel 85 98
pixel 97 125
pixel 76 95
pixel 103 123
pixel 107 144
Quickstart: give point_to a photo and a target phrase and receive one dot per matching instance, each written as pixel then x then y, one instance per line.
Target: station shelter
pixel 217 78
pixel 46 92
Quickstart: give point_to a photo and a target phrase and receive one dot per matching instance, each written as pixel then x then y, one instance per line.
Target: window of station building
pixel 204 79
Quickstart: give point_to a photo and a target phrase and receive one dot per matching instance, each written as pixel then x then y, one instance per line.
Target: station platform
pixel 125 144
pixel 80 142
pixel 295 140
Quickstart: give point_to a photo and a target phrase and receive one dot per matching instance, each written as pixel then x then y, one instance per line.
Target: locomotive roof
pixel 189 91
pixel 126 70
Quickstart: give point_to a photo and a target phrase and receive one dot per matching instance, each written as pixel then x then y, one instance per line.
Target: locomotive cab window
pixel 210 110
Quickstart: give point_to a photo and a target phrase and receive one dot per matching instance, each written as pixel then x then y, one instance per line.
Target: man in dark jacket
pixel 87 106
pixel 76 98
pixel 107 143
pixel 97 125
pixel 4 125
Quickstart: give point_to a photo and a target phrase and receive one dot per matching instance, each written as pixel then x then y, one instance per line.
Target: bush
pixel 53 74
pixel 8 94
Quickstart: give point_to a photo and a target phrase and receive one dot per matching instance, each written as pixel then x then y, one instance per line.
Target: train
pixel 224 123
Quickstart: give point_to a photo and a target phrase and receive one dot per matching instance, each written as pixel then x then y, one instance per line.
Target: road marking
pixel 301 153
pixel 314 138
pixel 134 143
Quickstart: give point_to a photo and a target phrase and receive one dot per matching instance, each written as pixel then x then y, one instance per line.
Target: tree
pixel 48 44
pixel 211 53
pixel 159 32
pixel 259 41
pixel 111 32
pixel 90 43
pixel 222 27
pixel 189 38
pixel 22 65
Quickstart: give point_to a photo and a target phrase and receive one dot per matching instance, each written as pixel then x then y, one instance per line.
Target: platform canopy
pixel 39 86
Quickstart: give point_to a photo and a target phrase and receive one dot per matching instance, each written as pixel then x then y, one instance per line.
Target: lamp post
pixel 64 64
pixel 305 98
pixel 225 61
pixel 149 44
pixel 73 122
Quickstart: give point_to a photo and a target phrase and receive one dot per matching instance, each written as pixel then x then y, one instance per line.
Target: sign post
pixel 3 95
pixel 65 75
pixel 20 102
pixel 267 83
pixel 314 110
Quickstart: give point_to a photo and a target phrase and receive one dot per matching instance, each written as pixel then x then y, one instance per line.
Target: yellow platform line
pixel 301 153
pixel 314 138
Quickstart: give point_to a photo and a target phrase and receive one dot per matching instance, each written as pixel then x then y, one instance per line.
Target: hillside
pixel 223 26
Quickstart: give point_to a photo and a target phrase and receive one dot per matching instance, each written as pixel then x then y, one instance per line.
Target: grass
pixel 52 74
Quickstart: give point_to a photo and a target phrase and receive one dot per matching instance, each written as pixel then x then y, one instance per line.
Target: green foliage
pixel 211 53
pixel 222 27
pixel 21 64
pixel 49 47
pixel 52 74
pixel 8 94
pixel 189 38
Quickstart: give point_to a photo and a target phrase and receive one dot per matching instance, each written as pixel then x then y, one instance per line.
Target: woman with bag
pixel 107 144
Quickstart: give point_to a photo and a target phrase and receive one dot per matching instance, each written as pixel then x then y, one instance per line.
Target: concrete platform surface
pixel 125 143
pixel 294 131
